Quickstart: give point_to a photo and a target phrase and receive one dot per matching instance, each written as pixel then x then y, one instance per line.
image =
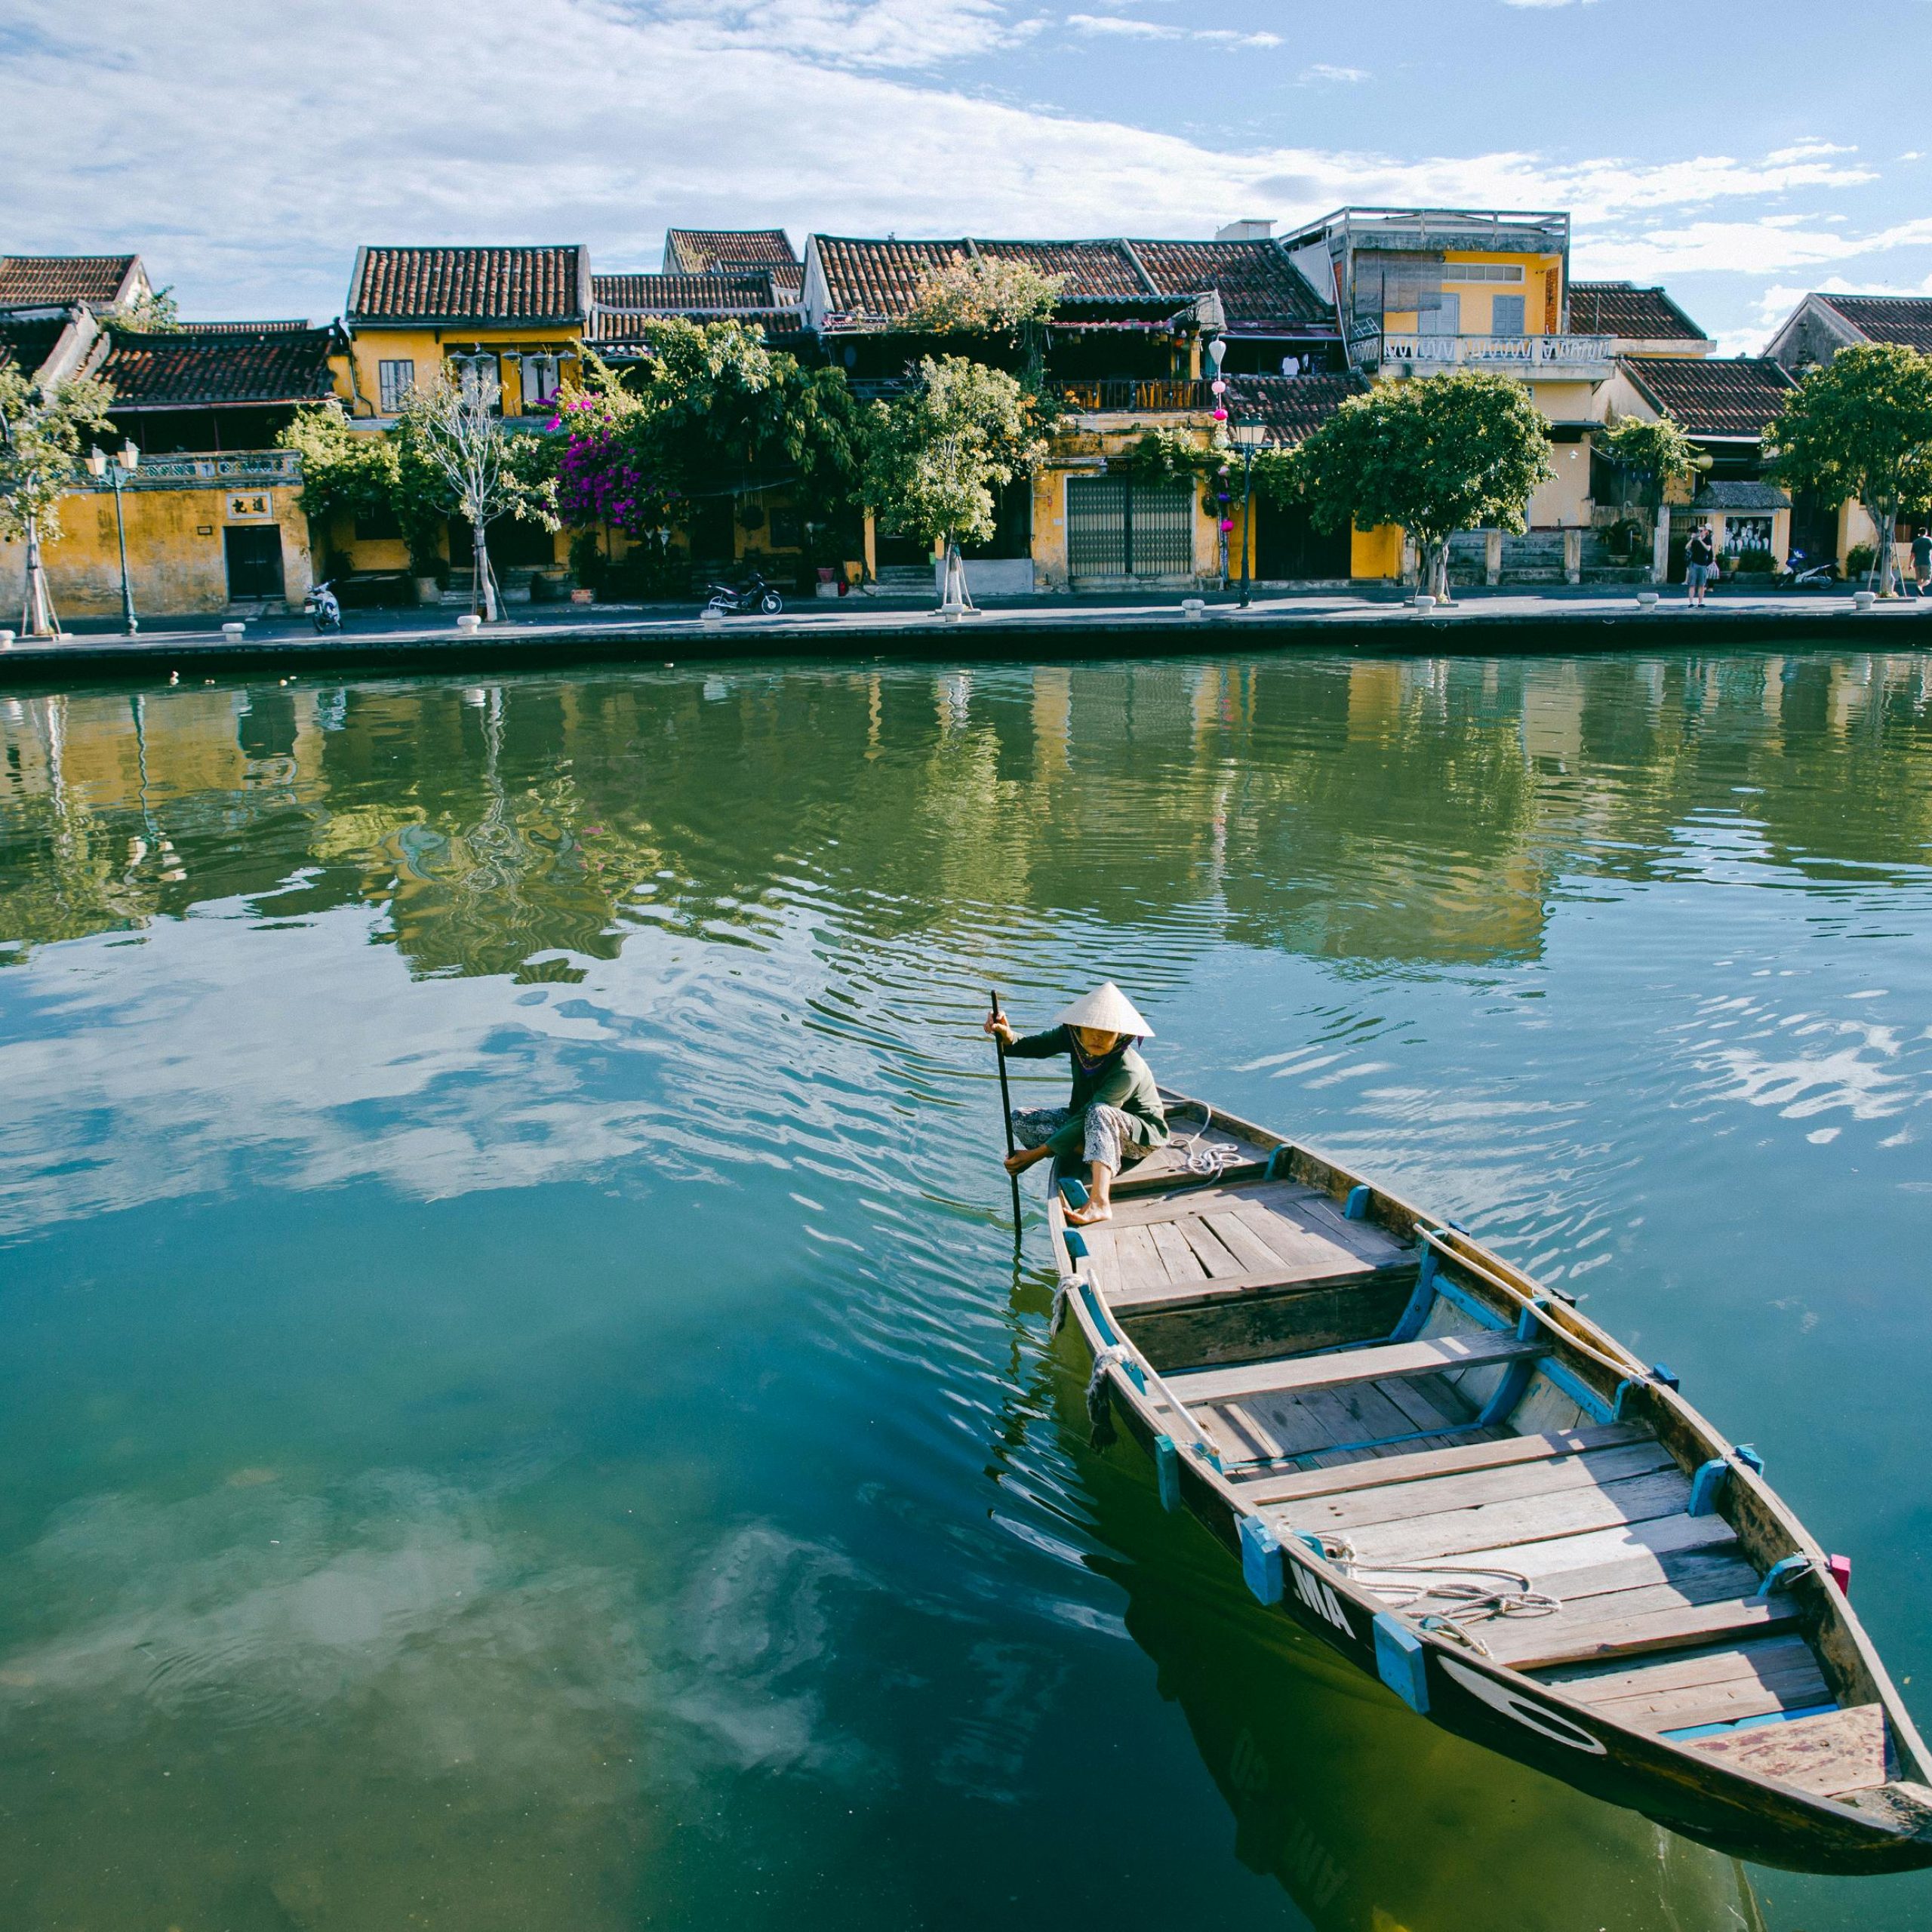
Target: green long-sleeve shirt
pixel 1122 1080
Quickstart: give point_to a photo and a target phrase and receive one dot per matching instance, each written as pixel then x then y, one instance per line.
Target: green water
pixel 519 1406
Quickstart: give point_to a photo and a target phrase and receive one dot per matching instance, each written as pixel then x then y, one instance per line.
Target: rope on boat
pixel 1209 1162
pixel 1474 1594
pixel 1099 1395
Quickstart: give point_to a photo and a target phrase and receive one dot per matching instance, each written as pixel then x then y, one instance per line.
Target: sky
pixel 1740 157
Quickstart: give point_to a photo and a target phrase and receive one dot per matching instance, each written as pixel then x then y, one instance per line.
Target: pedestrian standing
pixel 1921 561
pixel 1699 559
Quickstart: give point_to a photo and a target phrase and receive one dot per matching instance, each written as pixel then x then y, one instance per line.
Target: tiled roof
pixel 27 345
pixel 26 280
pixel 1292 407
pixel 1622 308
pixel 614 327
pixel 1901 318
pixel 1731 396
pixel 678 294
pixel 200 368
pixel 1739 494
pixel 708 250
pixel 282 326
pixel 1259 286
pixel 492 286
pixel 1095 271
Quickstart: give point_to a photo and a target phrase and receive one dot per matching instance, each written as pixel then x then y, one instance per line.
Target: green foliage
pixel 351 473
pixel 1169 456
pixel 1861 427
pixel 154 313
pixel 1859 559
pixel 42 430
pixel 1280 477
pixel 1751 563
pixel 983 295
pixel 1435 455
pixel 936 454
pixel 713 411
pixel 1660 450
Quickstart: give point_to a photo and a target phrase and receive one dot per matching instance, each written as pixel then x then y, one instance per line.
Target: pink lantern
pixel 1227 523
pixel 1220 416
pixel 1218 386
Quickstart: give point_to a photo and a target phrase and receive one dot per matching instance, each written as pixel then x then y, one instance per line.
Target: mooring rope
pixel 1474 1598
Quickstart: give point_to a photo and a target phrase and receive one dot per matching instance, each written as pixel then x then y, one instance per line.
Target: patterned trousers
pixel 1113 1136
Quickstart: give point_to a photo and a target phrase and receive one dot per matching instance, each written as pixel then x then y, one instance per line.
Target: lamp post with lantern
pixel 123 464
pixel 1248 437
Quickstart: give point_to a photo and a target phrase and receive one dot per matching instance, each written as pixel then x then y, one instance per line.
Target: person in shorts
pixel 1700 557
pixel 1921 561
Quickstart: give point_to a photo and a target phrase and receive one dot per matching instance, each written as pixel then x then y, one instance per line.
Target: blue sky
pixel 1738 156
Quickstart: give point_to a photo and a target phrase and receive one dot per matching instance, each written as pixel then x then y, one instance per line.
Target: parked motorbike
pixel 728 600
pixel 323 611
pixel 1799 575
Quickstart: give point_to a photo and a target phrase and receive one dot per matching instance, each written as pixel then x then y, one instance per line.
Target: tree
pixel 1434 453
pixel 937 452
pixel 451 439
pixel 1659 451
pixel 41 428
pixel 1861 427
pixel 153 312
pixel 984 295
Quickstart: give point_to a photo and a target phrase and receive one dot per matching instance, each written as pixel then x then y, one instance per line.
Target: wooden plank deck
pixel 1420 1466
pixel 1441 1355
pixel 1718 1685
pixel 1831 1754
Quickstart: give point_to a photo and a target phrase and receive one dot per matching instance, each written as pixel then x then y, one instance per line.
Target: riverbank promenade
pixel 1485 621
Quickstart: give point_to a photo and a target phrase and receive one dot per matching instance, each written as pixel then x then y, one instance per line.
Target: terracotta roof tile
pixel 1731 395
pixel 26 345
pixel 26 280
pixel 708 250
pixel 877 281
pixel 1095 271
pixel 201 367
pixel 1901 318
pixel 1292 407
pixel 1622 308
pixel 679 294
pixel 614 327
pixel 492 286
pixel 282 326
pixel 1259 287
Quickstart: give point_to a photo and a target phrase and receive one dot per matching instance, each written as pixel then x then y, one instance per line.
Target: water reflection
pixel 516 1366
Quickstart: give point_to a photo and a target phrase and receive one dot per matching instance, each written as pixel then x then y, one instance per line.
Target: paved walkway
pixel 1479 620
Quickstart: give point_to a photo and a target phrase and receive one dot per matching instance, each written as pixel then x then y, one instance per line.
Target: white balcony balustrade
pixel 1585 357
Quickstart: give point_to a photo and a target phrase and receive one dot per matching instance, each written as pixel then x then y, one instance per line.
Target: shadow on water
pixel 1370 1818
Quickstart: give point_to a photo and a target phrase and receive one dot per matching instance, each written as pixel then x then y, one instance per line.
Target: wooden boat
pixel 1473 1493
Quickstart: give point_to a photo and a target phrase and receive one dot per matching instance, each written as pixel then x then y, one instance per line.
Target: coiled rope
pixel 1209 1162
pixel 1474 1595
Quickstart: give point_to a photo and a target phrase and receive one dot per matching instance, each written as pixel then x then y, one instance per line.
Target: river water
pixel 520 1409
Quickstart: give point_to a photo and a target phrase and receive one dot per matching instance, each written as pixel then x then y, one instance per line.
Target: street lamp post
pixel 1248 437
pixel 126 460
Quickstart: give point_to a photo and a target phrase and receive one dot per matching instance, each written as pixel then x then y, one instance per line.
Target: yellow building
pixel 513 317
pixel 210 513
pixel 1421 291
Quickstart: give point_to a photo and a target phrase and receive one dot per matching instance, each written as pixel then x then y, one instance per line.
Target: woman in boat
pixel 1112 1118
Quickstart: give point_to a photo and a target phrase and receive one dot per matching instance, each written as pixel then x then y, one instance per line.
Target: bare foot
pixel 1081 1217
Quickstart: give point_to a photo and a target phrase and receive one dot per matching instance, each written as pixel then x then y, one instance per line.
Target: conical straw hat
pixel 1107 1009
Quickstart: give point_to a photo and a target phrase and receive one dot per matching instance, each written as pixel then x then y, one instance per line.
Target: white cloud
pixel 1322 71
pixel 248 167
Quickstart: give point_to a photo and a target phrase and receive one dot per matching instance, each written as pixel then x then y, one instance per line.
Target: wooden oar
pixel 1006 1111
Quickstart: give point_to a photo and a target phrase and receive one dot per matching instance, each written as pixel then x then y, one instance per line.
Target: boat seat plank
pixel 1541 1643
pixel 1678 1691
pixel 1183 1266
pixel 1829 1754
pixel 1443 1353
pixel 1208 1248
pixel 1214 1197
pixel 1514 1482
pixel 1531 1520
pixel 1639 1551
pixel 1514 1639
pixel 1420 1464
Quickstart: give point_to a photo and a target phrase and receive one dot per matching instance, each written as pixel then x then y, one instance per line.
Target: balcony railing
pixel 1575 355
pixel 174 472
pixel 1150 394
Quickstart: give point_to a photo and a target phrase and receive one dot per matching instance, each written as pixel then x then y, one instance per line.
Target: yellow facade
pixel 177 549
pixel 424 349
